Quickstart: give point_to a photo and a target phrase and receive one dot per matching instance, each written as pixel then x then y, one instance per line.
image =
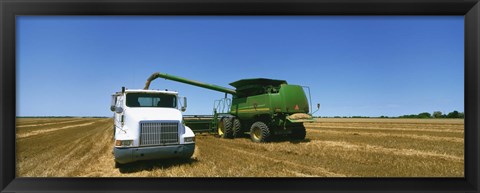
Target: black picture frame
pixel 9 9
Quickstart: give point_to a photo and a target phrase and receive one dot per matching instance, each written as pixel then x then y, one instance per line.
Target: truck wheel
pixel 225 128
pixel 237 132
pixel 299 133
pixel 259 132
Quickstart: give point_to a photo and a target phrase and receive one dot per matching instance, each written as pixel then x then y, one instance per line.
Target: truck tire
pixel 259 132
pixel 298 133
pixel 225 128
pixel 237 130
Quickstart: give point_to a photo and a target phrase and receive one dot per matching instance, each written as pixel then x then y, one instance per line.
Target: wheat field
pixel 82 147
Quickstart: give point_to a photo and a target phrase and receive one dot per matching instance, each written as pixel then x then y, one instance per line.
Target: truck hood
pixel 148 113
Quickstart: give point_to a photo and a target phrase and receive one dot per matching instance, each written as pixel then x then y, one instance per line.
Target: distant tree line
pixel 424 115
pixel 436 114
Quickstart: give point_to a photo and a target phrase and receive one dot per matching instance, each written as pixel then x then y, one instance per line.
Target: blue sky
pixel 354 66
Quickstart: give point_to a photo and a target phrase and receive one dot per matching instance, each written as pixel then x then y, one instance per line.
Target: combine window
pixel 151 100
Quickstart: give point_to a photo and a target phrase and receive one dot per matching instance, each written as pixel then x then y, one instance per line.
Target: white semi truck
pixel 148 125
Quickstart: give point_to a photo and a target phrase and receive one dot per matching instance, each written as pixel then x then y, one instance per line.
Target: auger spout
pixel 187 81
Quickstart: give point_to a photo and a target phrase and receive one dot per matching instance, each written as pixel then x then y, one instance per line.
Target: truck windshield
pixel 151 100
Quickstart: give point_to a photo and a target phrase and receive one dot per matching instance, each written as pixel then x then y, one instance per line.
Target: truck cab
pixel 148 125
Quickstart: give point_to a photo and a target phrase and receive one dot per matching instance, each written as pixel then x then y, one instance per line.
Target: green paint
pixel 267 100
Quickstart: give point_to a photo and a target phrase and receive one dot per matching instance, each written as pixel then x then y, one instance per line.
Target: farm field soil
pixel 82 147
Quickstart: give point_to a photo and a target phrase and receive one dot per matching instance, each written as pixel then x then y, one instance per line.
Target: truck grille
pixel 158 133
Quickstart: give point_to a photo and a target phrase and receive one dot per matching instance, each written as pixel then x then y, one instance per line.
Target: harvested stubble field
pixel 82 147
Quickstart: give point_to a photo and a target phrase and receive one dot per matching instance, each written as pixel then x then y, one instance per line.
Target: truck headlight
pixel 189 139
pixel 123 143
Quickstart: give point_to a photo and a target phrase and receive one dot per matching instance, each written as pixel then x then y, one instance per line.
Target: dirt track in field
pixel 82 147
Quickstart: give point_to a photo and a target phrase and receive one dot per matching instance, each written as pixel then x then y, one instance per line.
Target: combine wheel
pixel 259 132
pixel 299 133
pixel 237 130
pixel 225 127
pixel 118 165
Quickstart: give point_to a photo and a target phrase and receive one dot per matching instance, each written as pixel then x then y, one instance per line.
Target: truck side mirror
pixel 113 102
pixel 184 105
pixel 119 110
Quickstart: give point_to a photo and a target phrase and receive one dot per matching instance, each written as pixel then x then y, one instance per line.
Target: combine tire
pixel 237 130
pixel 118 165
pixel 299 133
pixel 225 128
pixel 259 132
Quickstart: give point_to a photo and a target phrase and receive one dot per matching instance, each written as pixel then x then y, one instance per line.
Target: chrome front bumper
pixel 127 155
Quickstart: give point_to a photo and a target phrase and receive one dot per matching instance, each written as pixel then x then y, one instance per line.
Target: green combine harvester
pixel 262 108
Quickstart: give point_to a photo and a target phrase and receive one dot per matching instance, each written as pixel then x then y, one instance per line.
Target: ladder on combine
pixel 208 123
pixel 221 108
